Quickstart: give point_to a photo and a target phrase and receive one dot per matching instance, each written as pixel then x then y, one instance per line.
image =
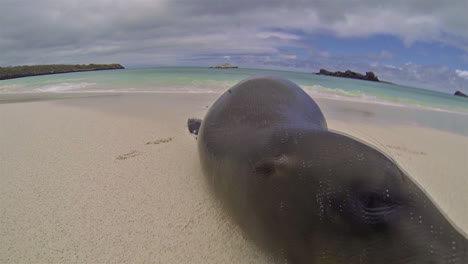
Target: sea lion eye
pixel 372 209
pixel 376 208
pixel 372 200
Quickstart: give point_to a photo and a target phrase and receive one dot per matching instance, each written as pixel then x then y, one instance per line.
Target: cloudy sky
pixel 422 43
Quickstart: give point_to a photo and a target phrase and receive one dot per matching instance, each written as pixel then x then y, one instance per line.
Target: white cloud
pixel 279 35
pixel 439 78
pixel 323 54
pixel 43 30
pixel 462 74
pixel 383 55
pixel 288 56
pixel 164 32
pixel 392 66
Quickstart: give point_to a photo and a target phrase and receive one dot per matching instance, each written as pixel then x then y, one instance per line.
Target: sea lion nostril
pixel 264 167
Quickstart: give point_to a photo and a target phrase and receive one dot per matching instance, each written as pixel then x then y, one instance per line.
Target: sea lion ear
pixel 193 125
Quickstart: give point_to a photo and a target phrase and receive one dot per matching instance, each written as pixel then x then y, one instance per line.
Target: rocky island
pixel 225 66
pixel 460 94
pixel 25 71
pixel 370 76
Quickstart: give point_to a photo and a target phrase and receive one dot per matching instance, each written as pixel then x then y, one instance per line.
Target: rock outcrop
pixel 460 94
pixel 370 76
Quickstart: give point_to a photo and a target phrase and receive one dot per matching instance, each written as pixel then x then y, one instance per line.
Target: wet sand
pixel 117 179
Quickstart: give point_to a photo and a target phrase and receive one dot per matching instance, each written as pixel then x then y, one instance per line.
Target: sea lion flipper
pixel 194 125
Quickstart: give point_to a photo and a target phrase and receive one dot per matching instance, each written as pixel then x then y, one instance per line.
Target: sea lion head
pixel 329 197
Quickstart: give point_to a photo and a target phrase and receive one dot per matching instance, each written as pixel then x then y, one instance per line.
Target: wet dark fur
pixel 309 195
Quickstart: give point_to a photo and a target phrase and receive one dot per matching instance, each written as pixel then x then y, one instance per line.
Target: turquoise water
pixel 204 80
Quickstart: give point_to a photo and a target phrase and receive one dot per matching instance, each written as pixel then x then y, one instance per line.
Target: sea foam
pixel 317 91
pixel 63 87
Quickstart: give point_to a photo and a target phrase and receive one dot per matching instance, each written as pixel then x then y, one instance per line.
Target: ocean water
pixel 205 80
pixel 435 109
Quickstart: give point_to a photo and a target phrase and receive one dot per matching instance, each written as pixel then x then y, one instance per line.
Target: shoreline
pixel 458 119
pixel 12 97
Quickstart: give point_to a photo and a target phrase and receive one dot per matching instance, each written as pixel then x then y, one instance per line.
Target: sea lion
pixel 311 195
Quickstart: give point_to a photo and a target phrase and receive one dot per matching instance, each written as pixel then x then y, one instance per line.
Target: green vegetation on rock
pixel 24 71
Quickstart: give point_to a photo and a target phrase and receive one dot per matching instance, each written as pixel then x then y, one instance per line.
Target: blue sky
pixel 422 43
pixel 389 49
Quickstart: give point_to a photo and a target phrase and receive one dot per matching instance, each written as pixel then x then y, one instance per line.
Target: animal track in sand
pixel 159 141
pixel 405 149
pixel 128 155
pixel 135 153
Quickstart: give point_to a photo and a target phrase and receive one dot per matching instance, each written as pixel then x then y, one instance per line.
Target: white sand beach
pixel 117 179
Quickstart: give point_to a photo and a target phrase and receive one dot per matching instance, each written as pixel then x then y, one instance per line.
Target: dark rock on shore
pixel 460 94
pixel 370 76
pixel 25 71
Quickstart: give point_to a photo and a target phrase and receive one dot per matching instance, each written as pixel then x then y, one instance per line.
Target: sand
pixel 117 179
